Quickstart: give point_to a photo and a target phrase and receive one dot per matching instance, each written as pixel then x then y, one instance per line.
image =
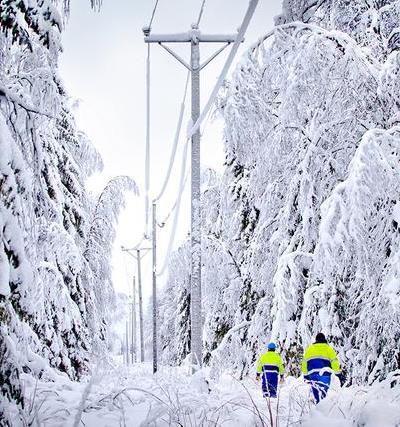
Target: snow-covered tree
pixel 174 309
pixel 97 253
pixel 302 233
pixel 53 290
pixel 355 279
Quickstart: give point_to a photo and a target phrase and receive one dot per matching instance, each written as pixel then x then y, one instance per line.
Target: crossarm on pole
pixel 213 56
pixel 176 56
pixel 129 253
pixel 189 36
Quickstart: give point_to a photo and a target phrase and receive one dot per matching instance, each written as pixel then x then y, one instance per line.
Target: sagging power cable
pixel 176 206
pixel 163 223
pixel 176 140
pixel 206 111
pixel 153 14
pixel 228 63
pixel 179 125
pixel 201 13
pixel 147 158
pixel 182 182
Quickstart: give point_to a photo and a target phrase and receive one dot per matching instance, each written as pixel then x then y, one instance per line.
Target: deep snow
pixel 132 396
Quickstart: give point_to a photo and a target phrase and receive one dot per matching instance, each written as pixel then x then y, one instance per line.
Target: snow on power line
pixel 192 129
pixel 177 207
pixel 176 140
pixel 147 155
pixel 242 31
pixel 201 12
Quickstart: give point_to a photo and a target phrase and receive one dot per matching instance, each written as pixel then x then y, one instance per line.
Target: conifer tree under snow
pixel 55 280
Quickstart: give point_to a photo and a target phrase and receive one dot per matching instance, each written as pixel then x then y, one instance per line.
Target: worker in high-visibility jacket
pixel 319 362
pixel 269 367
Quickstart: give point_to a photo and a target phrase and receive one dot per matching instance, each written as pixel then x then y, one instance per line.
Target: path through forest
pixel 134 397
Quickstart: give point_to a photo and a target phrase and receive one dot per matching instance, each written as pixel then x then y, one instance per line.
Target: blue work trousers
pixel 319 385
pixel 270 384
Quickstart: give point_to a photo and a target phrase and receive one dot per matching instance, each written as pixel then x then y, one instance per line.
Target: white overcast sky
pixel 103 65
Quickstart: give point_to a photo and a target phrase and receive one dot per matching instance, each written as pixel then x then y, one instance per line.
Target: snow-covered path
pixel 134 397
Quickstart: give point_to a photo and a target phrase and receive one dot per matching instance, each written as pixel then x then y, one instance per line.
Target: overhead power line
pixel 176 208
pixel 240 37
pixel 147 156
pixel 176 140
pixel 201 12
pixel 153 13
pixel 182 110
pixel 205 115
pixel 147 159
pixel 195 38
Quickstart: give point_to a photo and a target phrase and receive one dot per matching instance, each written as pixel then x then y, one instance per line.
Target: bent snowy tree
pixel 303 110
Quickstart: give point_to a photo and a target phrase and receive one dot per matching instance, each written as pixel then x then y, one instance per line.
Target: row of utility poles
pixel 130 339
pixel 194 37
pixel 129 346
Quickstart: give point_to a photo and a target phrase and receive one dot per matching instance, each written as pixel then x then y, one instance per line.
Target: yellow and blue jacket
pixel 318 356
pixel 270 361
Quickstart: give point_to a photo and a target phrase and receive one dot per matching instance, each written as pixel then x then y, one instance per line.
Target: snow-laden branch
pixel 17 100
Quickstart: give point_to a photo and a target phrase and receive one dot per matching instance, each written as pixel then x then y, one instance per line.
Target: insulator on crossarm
pixel 146 30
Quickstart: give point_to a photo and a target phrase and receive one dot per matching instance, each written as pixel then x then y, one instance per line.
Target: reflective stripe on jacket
pixel 270 361
pixel 319 356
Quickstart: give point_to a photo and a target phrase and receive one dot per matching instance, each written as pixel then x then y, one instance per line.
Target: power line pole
pixel 195 235
pixel 139 272
pixel 155 308
pixel 133 331
pixel 127 342
pixel 194 37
